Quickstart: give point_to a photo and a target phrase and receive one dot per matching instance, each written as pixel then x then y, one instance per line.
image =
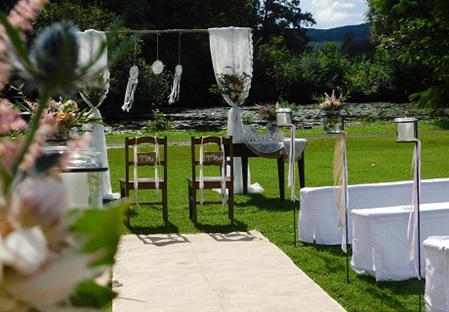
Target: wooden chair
pixel 207 152
pixel 144 156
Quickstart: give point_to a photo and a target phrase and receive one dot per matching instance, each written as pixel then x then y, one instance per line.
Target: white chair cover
pixel 233 47
pixel 90 42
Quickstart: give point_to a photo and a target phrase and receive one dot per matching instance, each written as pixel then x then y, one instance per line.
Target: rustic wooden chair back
pixel 144 157
pixel 209 152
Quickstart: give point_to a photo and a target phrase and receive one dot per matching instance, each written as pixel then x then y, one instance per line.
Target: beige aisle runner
pixel 239 271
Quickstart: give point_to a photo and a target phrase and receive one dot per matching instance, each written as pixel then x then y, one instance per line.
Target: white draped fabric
pixel 94 92
pixel 413 227
pixel 341 185
pixel 232 49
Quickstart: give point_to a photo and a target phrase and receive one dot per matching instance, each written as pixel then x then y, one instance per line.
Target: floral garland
pixel 230 84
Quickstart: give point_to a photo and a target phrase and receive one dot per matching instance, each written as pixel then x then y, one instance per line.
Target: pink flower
pixel 10 119
pixel 24 13
pixel 8 153
pixel 39 201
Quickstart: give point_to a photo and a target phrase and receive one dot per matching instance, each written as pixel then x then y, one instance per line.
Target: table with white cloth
pixel 84 186
pixel 437 273
pixel 380 245
pixel 279 150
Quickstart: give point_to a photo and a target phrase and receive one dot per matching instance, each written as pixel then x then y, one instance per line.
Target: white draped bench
pixel 318 213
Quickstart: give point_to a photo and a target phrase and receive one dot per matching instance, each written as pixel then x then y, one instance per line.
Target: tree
pixel 282 17
pixel 417 32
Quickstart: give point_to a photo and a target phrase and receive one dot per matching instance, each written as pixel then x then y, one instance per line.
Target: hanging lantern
pixel 406 129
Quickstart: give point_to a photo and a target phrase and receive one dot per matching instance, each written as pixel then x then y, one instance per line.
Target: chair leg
pixel 231 203
pixel 165 204
pixel 194 219
pixel 189 196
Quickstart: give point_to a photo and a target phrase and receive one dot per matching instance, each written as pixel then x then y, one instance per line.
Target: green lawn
pixel 373 156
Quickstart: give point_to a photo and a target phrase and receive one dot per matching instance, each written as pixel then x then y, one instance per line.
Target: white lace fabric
pixel 90 42
pixel 233 47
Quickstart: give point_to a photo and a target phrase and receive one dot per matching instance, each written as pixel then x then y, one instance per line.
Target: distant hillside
pixel 360 32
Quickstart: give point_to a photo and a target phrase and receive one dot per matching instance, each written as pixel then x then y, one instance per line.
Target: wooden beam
pixel 162 31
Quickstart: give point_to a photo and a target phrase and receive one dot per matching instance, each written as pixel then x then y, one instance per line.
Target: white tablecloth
pixel 380 239
pixel 318 217
pixel 276 149
pixel 266 149
pixel 437 273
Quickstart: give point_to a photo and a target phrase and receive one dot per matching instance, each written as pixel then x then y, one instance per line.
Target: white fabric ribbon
pixel 291 165
pixel 135 174
pixel 201 182
pixel 156 165
pixel 341 184
pixel 223 173
pixel 414 209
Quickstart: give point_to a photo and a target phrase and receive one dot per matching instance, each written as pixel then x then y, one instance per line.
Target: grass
pixel 373 156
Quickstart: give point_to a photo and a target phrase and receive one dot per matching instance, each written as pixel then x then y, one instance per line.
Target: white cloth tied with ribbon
pixel 232 47
pixel 412 238
pixel 93 93
pixel 341 184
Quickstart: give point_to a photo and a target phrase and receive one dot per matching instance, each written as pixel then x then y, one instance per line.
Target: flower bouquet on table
pixel 65 115
pixel 268 112
pixel 332 107
pixel 231 84
pixel 52 258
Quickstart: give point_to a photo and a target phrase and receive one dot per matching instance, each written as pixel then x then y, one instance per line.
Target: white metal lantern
pixel 406 129
pixel 284 117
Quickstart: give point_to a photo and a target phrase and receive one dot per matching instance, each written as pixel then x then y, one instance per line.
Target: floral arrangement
pixel 268 112
pixel 231 84
pixel 332 103
pixel 51 258
pixel 64 114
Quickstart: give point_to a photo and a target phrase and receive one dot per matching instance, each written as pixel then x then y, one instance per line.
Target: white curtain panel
pixel 232 47
pixel 90 42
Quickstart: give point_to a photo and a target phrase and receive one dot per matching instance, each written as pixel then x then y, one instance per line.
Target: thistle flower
pixel 54 55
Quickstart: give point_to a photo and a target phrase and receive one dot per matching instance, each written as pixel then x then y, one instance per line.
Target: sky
pixel 331 13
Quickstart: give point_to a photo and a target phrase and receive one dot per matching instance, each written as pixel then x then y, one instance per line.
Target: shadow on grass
pixel 391 289
pixel 443 123
pixel 160 226
pixel 334 250
pixel 159 229
pixel 222 228
pixel 270 204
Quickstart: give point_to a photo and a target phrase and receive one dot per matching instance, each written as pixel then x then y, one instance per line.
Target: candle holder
pixel 333 122
pixel 406 130
pixel 284 117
